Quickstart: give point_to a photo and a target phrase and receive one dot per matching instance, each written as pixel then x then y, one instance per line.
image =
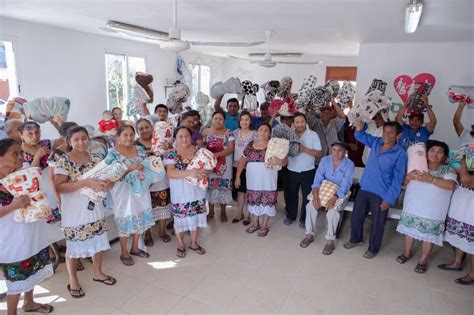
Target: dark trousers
pixel 366 202
pixel 292 181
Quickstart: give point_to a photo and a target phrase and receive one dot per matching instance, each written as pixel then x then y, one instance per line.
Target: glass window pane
pixel 115 84
pixel 8 79
pixel 135 64
pixel 205 79
pixel 194 84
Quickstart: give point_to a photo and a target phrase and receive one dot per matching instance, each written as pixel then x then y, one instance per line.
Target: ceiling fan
pixel 267 61
pixel 172 40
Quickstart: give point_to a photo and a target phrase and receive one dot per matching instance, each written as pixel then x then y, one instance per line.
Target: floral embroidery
pixel 220 183
pixel 55 216
pixel 160 198
pixel 259 198
pixel 254 155
pixel 460 229
pixel 182 210
pixel 22 270
pixel 85 231
pixel 75 170
pixel 172 157
pixel 423 225
pixel 441 171
pixel 135 224
pixel 28 157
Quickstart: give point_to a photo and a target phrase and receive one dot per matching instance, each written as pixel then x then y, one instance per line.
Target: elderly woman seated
pixel 337 171
pixel 426 204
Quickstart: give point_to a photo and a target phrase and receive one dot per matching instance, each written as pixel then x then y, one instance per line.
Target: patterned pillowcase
pixel 305 93
pixel 346 94
pixel 333 87
pixel 377 85
pixel 326 191
pixel 277 147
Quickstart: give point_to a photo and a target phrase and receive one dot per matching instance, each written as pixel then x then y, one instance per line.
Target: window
pixel 199 81
pixel 120 75
pixel 8 81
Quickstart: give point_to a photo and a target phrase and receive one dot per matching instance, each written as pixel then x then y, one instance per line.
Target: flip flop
pixel 420 268
pixel 403 259
pixel 252 229
pixel 464 282
pixel 107 281
pixel 445 267
pixel 149 242
pixel 262 232
pixel 198 250
pixel 165 238
pixel 181 252
pixel 237 220
pixel 127 260
pixel 246 222
pixel 77 294
pixel 43 308
pixel 140 253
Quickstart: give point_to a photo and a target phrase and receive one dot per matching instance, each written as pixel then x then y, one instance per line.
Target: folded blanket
pixel 285 87
pixel 327 191
pixel 377 85
pixel 458 93
pixel 203 160
pixel 44 108
pixel 346 94
pixel 250 95
pixel 333 87
pixel 102 171
pixel 27 181
pixel 162 137
pixel 178 95
pixel 277 147
pixel 417 158
pixel 270 89
pixel 421 89
pixel 140 181
pixel 14 108
pixel 215 146
pixel 305 94
pixel 369 106
pixel 319 97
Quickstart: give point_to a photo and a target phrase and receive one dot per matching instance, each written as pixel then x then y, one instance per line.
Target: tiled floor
pixel 243 273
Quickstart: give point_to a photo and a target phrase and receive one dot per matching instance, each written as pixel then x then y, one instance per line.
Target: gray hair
pixel 10 124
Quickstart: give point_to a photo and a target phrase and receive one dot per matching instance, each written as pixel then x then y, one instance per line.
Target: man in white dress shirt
pixel 301 170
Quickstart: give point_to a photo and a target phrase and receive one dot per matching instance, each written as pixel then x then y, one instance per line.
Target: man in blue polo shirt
pixel 232 113
pixel 380 185
pixel 414 131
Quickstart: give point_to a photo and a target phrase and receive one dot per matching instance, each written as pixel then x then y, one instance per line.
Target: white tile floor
pixel 243 273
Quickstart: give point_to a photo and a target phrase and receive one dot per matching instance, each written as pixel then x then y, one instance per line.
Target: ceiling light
pixel 412 15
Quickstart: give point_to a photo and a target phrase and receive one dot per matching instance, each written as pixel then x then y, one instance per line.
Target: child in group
pixel 108 124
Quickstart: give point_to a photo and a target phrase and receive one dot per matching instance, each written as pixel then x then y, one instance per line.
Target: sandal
pixel 165 238
pixel 420 268
pixel 246 222
pixel 149 242
pixel 252 229
pixel 181 252
pixel 237 220
pixel 263 232
pixel 127 260
pixel 43 308
pixel 403 259
pixel 80 266
pixel 77 294
pixel 445 267
pixel 198 250
pixel 306 241
pixel 140 253
pixel 464 282
pixel 328 249
pixel 108 280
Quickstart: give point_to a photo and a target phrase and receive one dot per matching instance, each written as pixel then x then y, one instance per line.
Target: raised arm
pixel 431 115
pixel 399 117
pixel 217 103
pixel 457 119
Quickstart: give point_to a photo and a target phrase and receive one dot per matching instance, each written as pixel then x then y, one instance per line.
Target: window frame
pixel 17 60
pixel 199 85
pixel 124 76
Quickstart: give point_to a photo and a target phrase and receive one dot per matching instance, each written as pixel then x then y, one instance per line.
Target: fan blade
pixel 244 59
pixel 299 62
pixel 228 44
pixel 137 31
pixel 284 54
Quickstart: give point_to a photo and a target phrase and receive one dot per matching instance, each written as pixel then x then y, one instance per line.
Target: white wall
pixel 450 63
pixel 58 62
pixel 255 73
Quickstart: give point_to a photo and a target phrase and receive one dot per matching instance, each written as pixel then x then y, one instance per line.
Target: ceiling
pixel 314 27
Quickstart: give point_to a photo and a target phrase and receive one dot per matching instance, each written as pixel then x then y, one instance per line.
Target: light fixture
pixel 136 31
pixel 412 15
